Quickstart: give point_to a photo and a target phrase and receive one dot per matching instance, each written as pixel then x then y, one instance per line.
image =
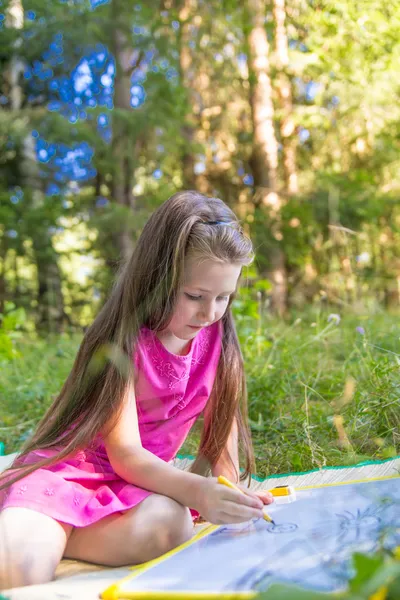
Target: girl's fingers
pixel 227 517
pixel 265 497
pixel 243 499
pixel 242 512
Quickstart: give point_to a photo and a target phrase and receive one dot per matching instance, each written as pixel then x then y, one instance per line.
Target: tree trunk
pixel 51 314
pixel 3 283
pixel 123 147
pixel 287 126
pixel 190 76
pixel 264 161
pixel 186 77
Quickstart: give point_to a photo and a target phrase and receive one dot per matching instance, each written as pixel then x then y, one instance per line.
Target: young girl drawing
pixel 95 482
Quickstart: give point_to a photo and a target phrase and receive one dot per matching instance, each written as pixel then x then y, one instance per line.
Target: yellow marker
pixel 111 593
pixel 224 481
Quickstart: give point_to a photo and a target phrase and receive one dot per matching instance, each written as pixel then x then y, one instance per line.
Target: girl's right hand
pixel 220 504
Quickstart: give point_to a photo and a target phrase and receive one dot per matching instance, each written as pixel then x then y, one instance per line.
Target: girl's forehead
pixel 205 273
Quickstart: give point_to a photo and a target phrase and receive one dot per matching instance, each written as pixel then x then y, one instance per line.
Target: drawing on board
pixel 310 544
pixel 281 527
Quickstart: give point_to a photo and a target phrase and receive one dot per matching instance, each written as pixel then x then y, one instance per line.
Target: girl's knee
pixel 170 525
pixel 21 567
pixel 31 546
pixel 178 524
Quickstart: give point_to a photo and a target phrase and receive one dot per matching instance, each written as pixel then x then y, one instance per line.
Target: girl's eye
pixel 199 297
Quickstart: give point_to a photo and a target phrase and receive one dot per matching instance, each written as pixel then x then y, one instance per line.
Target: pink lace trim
pixel 167 370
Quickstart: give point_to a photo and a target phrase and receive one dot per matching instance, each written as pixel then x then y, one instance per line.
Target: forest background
pixel 287 110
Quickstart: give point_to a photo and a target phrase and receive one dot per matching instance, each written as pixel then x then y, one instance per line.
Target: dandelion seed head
pixel 334 318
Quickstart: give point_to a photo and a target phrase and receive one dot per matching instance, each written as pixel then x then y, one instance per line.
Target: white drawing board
pixel 310 544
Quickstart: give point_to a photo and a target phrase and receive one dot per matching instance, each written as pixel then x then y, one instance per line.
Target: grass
pixel 320 393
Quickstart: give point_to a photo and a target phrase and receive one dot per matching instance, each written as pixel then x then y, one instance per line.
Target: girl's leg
pixel 142 533
pixel 31 546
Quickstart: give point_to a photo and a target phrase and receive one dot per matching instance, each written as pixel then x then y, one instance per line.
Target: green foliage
pixel 12 322
pixel 296 376
pixel 343 67
pixel 29 383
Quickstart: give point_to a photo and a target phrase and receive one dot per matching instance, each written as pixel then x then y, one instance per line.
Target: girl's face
pixel 203 297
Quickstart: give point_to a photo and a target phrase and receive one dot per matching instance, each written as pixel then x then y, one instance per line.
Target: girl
pixel 95 482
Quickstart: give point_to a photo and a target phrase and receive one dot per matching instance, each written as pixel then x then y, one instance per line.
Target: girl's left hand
pixel 265 497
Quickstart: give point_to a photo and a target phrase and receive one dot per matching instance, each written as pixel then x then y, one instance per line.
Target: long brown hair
pixel 144 293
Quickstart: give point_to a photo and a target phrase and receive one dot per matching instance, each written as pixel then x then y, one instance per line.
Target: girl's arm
pixel 138 466
pixel 228 463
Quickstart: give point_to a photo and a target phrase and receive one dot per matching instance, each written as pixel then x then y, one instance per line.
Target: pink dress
pixel 171 392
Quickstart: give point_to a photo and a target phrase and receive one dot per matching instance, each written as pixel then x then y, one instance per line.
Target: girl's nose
pixel 208 313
